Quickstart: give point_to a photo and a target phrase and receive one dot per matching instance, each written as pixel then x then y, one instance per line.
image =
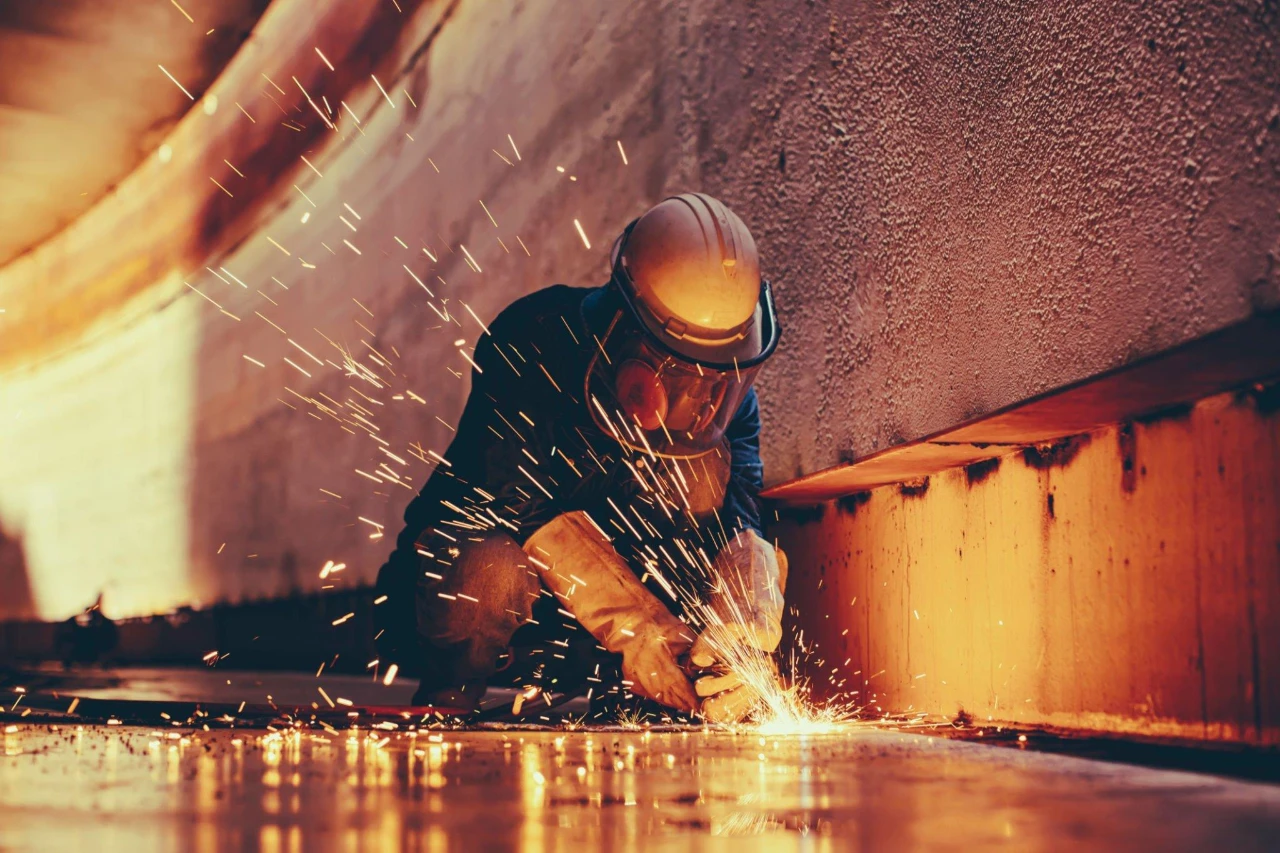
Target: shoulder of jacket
pixel 523 316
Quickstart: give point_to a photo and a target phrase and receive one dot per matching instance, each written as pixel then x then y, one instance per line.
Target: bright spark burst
pixel 782 704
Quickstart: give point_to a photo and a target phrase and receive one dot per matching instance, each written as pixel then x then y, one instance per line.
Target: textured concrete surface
pixel 984 202
pixel 959 209
pixel 129 789
pixel 1127 580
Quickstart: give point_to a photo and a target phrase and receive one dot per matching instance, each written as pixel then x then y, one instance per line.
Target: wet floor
pixel 121 788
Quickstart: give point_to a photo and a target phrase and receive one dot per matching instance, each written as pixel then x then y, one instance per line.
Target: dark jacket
pixel 527 448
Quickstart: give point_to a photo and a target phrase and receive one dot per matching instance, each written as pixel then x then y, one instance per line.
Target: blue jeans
pixel 453 614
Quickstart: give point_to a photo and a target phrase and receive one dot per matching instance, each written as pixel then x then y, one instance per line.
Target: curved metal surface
pixel 83 98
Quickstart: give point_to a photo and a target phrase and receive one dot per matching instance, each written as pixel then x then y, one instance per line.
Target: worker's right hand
pixel 579 564
pixel 649 663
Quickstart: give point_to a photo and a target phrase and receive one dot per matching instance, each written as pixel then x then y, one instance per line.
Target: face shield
pixel 667 397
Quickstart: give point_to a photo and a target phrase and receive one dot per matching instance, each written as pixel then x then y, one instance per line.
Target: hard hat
pixel 691 270
pixel 686 323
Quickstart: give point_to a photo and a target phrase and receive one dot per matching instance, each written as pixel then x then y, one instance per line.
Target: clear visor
pixel 654 402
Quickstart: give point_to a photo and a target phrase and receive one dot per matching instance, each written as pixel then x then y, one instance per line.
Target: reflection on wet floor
pixel 125 788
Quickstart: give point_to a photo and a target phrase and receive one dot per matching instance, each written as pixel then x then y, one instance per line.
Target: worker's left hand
pixel 744 628
pixel 745 610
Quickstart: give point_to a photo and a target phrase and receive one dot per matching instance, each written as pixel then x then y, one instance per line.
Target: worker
pixel 608 455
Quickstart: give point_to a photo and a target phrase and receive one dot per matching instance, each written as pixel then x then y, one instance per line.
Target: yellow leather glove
pixel 579 565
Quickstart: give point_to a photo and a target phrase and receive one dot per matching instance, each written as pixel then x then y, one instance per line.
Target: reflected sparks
pixel 291 789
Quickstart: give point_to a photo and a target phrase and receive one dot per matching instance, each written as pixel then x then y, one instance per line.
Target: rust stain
pixel 1265 396
pixel 976 472
pixel 1177 411
pixel 1128 443
pixel 849 504
pixel 1055 455
pixel 800 514
pixel 914 488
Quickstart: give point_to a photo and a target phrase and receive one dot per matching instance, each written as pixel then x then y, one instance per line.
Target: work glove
pixel 743 627
pixel 727 698
pixel 593 582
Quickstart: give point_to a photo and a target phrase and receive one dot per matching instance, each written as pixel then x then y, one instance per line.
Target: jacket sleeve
pixel 487 482
pixel 741 510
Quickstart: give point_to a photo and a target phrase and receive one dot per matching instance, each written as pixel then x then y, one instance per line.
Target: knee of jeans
pixel 487 586
pixel 496 567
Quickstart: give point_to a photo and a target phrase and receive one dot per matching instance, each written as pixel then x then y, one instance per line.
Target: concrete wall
pixel 968 203
pixel 1126 580
pixel 959 206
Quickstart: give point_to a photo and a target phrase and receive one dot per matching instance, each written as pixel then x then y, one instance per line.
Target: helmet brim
pixel 757 344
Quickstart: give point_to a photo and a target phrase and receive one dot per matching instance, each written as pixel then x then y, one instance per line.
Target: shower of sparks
pixel 370 381
pixel 781 708
pixel 314 106
pixel 330 567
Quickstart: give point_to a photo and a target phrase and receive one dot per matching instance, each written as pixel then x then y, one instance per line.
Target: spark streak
pixel 183 11
pixel 470 260
pixel 384 92
pixel 176 83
